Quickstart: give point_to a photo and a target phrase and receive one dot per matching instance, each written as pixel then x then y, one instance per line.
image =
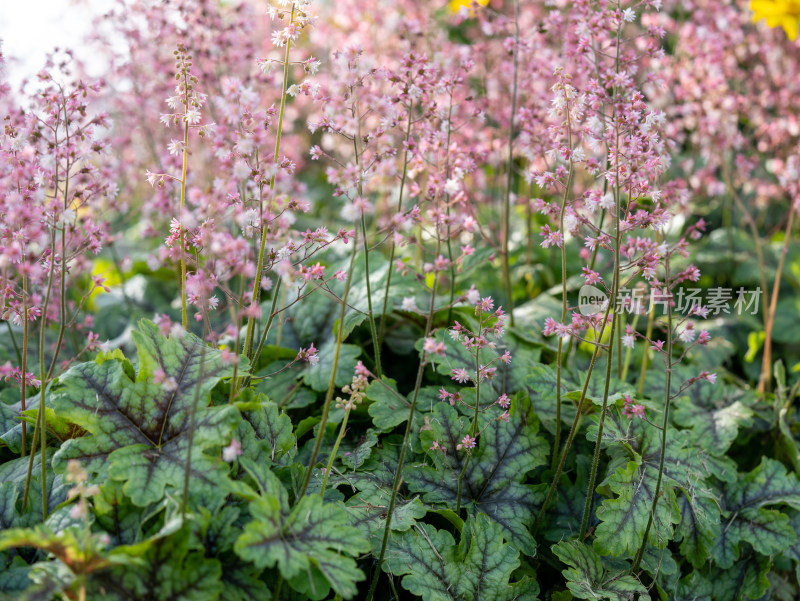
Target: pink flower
pixel 631 409
pixel 460 375
pixel 232 451
pixel 432 347
pixel 309 355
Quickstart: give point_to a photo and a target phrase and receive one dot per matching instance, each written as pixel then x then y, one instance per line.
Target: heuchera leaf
pixel 746 579
pixel 715 427
pixel 743 502
pixel 624 518
pixel 318 376
pixel 68 546
pixel 355 459
pixel 478 569
pixel 686 467
pixel 265 432
pixel 699 526
pixel 492 483
pixel 388 408
pixel 8 500
pixel 138 428
pixel 162 569
pixel 368 513
pixel 313 536
pixel 587 578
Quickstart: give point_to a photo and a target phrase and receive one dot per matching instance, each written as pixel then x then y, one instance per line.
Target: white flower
pixel 452 186
pixel 629 15
pixel 232 451
pixel 628 340
pixel 349 212
pixel 607 202
pixel 688 333
pixel 409 304
pixel 241 170
pixel 192 117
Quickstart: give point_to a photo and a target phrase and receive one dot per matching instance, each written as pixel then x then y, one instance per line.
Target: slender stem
pixel 251 322
pixel 332 382
pixel 335 450
pixel 598 346
pixel 474 427
pixel 24 361
pixel 447 206
pixel 40 421
pixel 598 444
pixel 360 191
pixel 401 460
pixel 766 365
pixel 14 339
pixel 272 314
pixel 562 212
pixel 510 173
pixel 645 355
pixel 184 317
pixel 43 411
pixel 667 398
pixel 192 421
pixel 234 378
pixel 628 350
pixel 382 326
pixel 371 315
pixel 611 339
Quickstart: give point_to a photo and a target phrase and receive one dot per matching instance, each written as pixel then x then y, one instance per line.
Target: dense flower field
pixel 400 300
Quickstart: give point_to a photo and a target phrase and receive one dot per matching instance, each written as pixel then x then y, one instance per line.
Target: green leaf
pixel 69 546
pixel 389 408
pixel 318 376
pixel 716 428
pixel 368 512
pixel 355 459
pixel 43 581
pixel 587 578
pixel 699 526
pixel 265 432
pixel 117 516
pixel 541 384
pixel 623 519
pixel 694 587
pixel 492 483
pixel 15 472
pixel 138 429
pixel 768 531
pixel 768 484
pixel 161 569
pixel 313 535
pixel 8 502
pixel 434 568
pixel 746 579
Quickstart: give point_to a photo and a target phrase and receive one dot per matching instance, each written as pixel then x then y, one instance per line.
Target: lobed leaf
pixel 138 428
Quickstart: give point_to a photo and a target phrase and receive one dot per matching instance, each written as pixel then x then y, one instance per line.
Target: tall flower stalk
pixel 398 210
pixel 256 299
pixel 506 232
pixel 326 407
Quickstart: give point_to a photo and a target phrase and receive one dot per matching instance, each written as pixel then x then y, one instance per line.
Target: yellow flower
pixel 455 6
pixel 783 13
